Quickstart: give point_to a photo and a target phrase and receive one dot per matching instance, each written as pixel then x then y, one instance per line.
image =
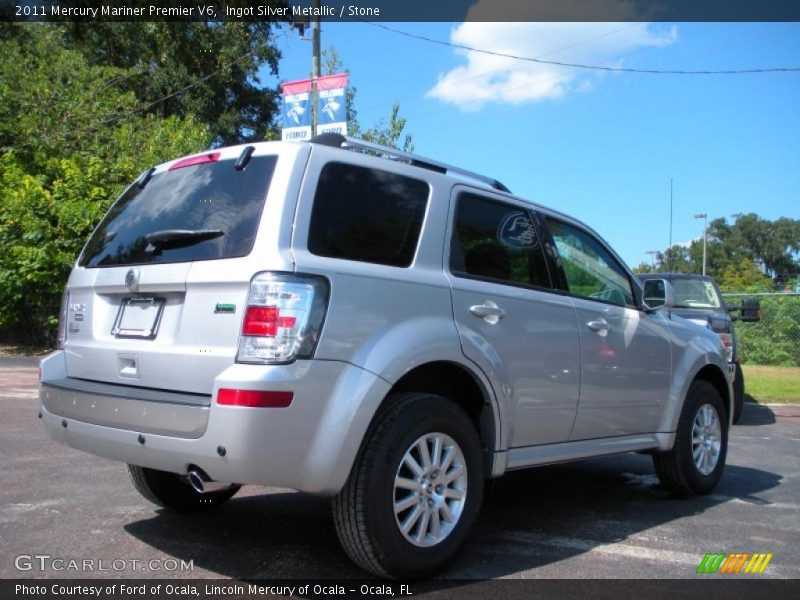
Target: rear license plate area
pixel 138 317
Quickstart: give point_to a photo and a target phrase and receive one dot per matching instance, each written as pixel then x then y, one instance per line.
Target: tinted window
pixel 497 241
pixel 210 197
pixel 367 215
pixel 590 269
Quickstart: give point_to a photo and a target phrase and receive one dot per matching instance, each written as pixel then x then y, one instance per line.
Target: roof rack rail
pixel 337 140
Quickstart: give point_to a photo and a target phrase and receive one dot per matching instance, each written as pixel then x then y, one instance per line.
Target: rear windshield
pixel 200 212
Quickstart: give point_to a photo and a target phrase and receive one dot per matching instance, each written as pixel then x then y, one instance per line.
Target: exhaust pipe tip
pixel 196 480
pixel 202 483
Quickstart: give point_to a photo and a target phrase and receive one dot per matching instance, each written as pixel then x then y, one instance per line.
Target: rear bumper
pixel 309 446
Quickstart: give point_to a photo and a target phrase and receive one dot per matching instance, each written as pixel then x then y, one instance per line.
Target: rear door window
pixel 199 212
pixel 591 271
pixel 367 215
pixel 497 242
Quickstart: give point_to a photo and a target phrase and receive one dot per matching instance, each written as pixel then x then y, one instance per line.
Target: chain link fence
pixel 775 339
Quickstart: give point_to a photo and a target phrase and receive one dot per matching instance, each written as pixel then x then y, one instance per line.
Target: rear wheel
pixel 414 491
pixel 173 491
pixel 695 463
pixel 738 393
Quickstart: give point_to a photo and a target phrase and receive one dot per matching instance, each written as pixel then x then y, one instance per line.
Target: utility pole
pixel 704 216
pixel 315 66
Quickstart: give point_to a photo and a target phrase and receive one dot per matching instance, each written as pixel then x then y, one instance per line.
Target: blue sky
pixel 599 146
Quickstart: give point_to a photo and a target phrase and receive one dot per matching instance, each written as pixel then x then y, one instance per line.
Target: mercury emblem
pixel 132 279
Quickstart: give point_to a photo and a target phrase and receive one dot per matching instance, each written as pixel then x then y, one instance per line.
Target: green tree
pixel 62 161
pixel 206 70
pixel 677 259
pixel 744 277
pixel 644 267
pixel 773 246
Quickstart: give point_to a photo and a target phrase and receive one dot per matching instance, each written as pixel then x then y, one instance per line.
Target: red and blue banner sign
pixel 331 108
pixel 296 110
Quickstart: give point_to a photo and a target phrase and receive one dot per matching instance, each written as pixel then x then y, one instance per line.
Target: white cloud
pixel 485 78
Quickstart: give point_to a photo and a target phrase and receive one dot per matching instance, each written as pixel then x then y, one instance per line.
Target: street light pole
pixel 653 254
pixel 704 216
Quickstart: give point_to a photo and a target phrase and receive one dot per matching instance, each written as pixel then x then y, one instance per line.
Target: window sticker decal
pixel 516 231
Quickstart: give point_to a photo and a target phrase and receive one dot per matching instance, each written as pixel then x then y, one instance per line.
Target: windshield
pixel 199 212
pixel 695 293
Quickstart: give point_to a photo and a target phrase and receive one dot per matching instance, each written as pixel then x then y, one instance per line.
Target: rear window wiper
pixel 179 238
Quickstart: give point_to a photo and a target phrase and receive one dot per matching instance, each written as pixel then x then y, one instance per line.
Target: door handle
pixel 488 311
pixel 599 326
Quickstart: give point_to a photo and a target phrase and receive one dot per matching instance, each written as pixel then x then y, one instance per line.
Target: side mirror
pixel 750 311
pixel 658 293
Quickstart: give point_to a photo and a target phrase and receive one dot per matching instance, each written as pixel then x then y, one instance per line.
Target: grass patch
pixel 772 384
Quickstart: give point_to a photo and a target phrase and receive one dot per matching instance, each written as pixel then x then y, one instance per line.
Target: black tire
pixel 738 394
pixel 174 492
pixel 676 468
pixel 364 510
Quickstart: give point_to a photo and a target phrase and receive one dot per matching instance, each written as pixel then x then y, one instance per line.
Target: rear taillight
pixel 283 318
pixel 62 321
pixel 727 344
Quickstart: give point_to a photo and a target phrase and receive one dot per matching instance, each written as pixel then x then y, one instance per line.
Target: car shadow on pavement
pixel 755 414
pixel 530 519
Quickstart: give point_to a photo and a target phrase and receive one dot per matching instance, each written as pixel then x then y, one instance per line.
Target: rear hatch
pixel 157 295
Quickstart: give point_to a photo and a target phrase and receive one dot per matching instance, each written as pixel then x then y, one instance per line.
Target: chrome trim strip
pixel 555 453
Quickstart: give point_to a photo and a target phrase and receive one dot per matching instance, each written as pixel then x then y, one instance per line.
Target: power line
pixel 582 66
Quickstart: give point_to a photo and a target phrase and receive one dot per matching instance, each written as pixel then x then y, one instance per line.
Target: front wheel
pixel 414 491
pixel 695 463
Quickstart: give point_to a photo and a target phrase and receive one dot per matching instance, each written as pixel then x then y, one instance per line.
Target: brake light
pixel 254 398
pixel 265 320
pixel 283 318
pixel 200 159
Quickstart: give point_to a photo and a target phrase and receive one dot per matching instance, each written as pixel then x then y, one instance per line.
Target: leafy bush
pixel 775 340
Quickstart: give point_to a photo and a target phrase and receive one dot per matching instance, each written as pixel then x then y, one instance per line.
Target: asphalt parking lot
pixel 603 518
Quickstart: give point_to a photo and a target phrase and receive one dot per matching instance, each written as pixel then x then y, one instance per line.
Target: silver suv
pixel 352 321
